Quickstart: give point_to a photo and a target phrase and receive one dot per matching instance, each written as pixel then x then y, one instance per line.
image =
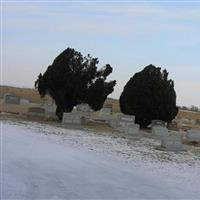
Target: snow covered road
pixel 35 166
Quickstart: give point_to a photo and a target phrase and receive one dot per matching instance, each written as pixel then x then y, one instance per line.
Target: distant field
pixel 188 114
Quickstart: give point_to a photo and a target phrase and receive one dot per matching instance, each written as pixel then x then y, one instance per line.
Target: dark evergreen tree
pixel 73 79
pixel 149 95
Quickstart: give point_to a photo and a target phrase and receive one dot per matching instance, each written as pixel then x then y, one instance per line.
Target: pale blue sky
pixel 128 36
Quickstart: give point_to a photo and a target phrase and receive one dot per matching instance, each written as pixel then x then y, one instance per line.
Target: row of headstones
pixel 13 99
pixel 172 141
pixel 32 112
pixel 82 114
pixel 125 124
pixel 79 116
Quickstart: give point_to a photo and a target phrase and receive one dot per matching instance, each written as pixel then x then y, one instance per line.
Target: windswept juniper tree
pixel 149 95
pixel 73 79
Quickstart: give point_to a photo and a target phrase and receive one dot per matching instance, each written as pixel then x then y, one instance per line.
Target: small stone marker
pixel 172 142
pixel 73 118
pixel 126 124
pixel 159 131
pixel 36 113
pixel 113 123
pixel 24 101
pixel 105 113
pixel 197 122
pixel 50 108
pixel 126 118
pixel 108 107
pixel 193 135
pixel 11 99
pixel 131 129
pixel 84 111
pixel 1 95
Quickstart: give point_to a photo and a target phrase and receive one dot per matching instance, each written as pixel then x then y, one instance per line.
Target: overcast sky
pixel 127 35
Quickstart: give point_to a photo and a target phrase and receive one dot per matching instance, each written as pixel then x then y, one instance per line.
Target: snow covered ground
pixel 41 161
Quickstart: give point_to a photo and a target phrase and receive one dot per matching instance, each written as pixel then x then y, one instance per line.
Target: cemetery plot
pixel 193 135
pixel 75 118
pixel 126 118
pixel 36 113
pixel 126 124
pixel 159 131
pixel 105 114
pixel 169 141
pixel 11 99
pixel 172 142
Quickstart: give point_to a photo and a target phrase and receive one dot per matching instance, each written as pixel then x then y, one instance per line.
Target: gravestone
pixel 126 124
pixel 107 111
pixel 36 113
pixel 193 135
pixel 159 131
pixel 126 118
pixel 74 118
pixel 105 114
pixel 108 107
pixel 197 122
pixel 50 108
pixel 24 101
pixel 114 123
pixel 50 111
pixel 172 142
pixel 129 128
pixel 1 95
pixel 83 110
pixel 11 99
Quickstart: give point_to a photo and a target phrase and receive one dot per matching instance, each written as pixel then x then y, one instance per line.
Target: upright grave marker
pixel 126 124
pixel 11 99
pixel 172 142
pixel 36 113
pixel 193 135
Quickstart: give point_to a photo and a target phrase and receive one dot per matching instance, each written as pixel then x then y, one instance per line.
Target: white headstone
pixel 197 122
pixel 36 113
pixel 126 118
pixel 11 99
pixel 132 129
pixel 24 101
pixel 84 111
pixel 193 135
pixel 50 109
pixel 105 114
pixel 172 142
pixel 73 119
pixel 159 131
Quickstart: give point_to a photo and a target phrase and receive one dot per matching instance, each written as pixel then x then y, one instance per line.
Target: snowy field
pixel 40 161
